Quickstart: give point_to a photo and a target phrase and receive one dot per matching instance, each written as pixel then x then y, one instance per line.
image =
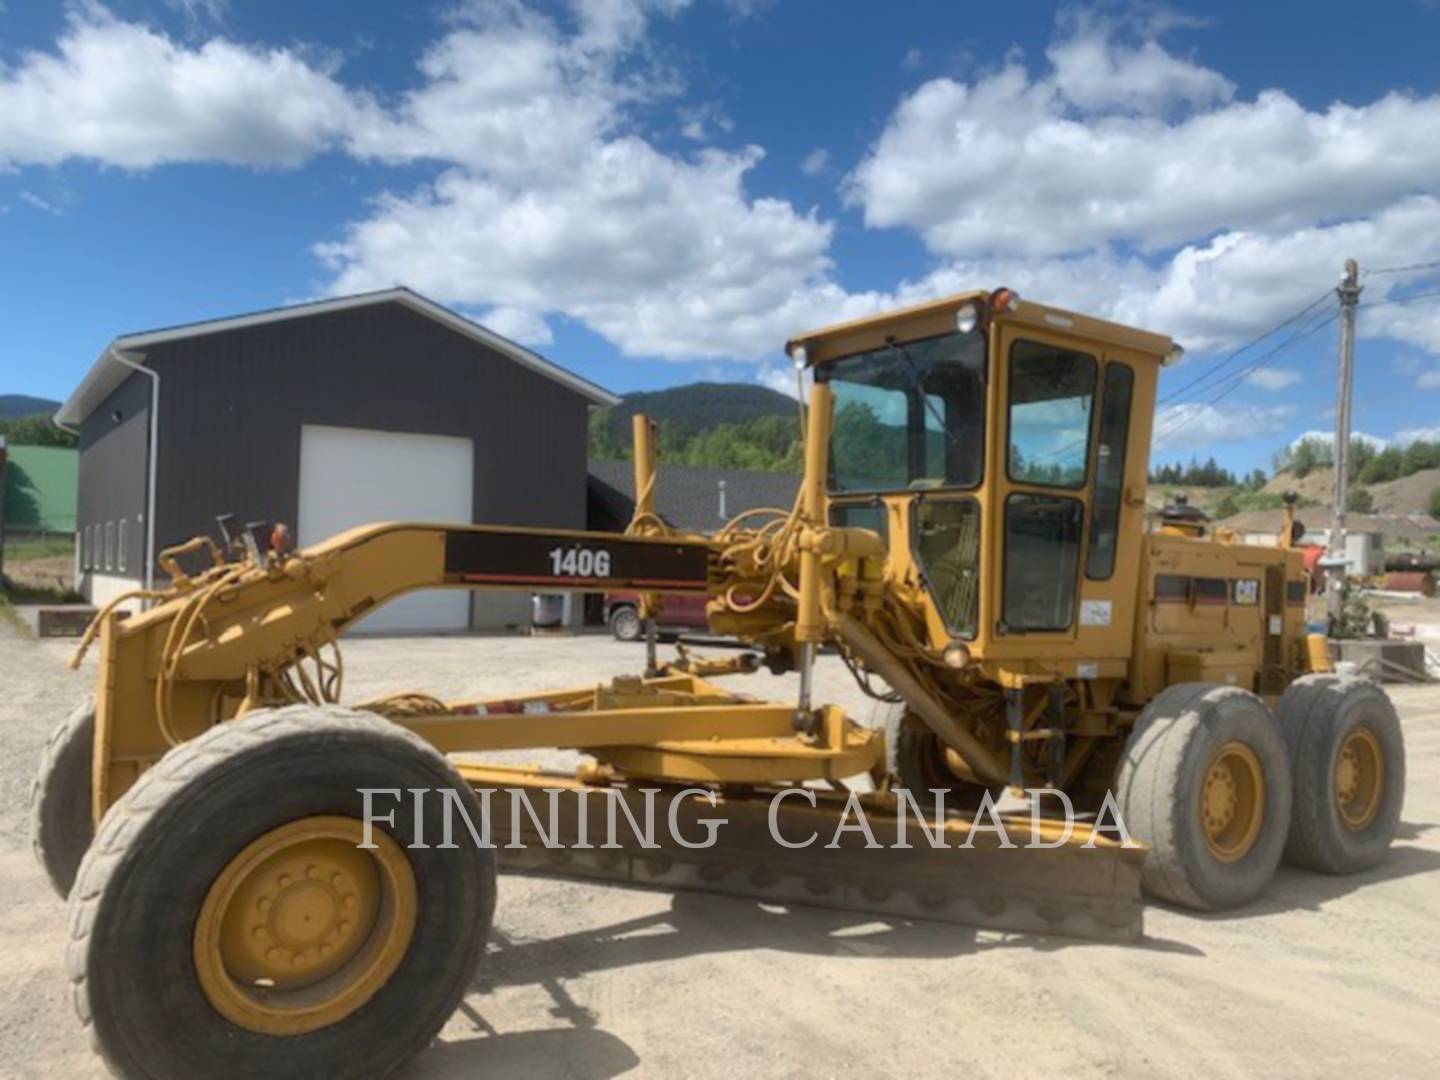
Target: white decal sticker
pixel 1247 591
pixel 1277 625
pixel 1087 671
pixel 1094 612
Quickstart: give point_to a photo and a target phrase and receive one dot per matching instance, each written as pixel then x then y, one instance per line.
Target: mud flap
pixel 1084 885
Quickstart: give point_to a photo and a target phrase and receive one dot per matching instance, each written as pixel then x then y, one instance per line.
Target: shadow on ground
pixel 694 924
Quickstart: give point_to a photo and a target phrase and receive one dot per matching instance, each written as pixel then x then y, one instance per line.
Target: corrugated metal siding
pixel 232 405
pixel 114 442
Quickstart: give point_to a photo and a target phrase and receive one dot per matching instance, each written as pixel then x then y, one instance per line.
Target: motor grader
pixel 971 540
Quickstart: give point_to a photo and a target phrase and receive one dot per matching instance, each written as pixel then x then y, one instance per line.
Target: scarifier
pixel 970 537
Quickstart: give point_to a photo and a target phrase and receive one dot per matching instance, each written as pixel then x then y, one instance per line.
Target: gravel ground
pixel 1323 977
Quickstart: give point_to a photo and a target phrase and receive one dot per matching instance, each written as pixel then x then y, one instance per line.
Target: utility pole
pixel 1349 294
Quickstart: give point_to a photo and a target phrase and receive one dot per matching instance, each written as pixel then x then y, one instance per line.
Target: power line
pixel 1405 269
pixel 1193 410
pixel 1219 365
pixel 1405 299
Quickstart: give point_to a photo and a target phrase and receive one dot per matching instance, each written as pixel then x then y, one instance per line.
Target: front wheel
pixel 61 823
pixel 1205 781
pixel 228 921
pixel 918 762
pixel 625 624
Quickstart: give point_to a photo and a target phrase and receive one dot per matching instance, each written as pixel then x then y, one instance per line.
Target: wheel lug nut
pixel 284 880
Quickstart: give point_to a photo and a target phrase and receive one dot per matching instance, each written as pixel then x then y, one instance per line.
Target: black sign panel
pixel 560 560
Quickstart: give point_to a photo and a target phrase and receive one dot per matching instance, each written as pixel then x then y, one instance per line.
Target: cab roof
pixel 938 316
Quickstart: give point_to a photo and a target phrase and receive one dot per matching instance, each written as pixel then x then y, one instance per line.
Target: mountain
pixel 1404 495
pixel 708 425
pixel 700 406
pixel 14 406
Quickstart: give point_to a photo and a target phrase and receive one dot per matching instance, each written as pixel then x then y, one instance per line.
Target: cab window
pixel 1109 471
pixel 1052 393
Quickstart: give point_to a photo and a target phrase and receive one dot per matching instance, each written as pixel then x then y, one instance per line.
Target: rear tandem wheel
pixel 1205 781
pixel 226 920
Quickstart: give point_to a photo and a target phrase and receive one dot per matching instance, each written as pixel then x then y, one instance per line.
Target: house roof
pixel 687 496
pixel 109 371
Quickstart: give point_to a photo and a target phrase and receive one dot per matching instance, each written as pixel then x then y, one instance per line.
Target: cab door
pixel 1048 392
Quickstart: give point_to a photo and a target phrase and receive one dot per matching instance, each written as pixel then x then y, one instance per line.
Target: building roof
pixel 109 371
pixel 687 496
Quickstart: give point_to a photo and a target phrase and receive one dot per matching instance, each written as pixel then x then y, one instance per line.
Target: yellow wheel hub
pixel 304 926
pixel 1232 802
pixel 1359 778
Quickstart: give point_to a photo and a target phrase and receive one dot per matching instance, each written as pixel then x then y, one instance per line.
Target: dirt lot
pixel 1324 977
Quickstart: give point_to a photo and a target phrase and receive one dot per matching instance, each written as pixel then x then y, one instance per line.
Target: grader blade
pixel 1085 886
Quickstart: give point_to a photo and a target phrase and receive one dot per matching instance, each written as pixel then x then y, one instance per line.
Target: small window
pixel 120 545
pixel 1042 561
pixel 1052 392
pixel 1109 471
pixel 947 546
pixel 109 545
pixel 1211 591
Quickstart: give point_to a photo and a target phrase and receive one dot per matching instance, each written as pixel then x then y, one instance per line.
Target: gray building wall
pixel 232 405
pixel 114 448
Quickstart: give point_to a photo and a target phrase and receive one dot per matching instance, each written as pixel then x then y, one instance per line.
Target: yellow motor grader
pixel 264 881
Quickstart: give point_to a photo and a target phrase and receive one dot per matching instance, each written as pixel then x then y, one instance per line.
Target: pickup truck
pixel 678 611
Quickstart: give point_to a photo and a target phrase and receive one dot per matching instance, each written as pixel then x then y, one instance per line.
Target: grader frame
pixel 970 530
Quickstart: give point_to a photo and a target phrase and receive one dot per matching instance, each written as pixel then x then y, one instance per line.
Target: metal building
pixel 379 407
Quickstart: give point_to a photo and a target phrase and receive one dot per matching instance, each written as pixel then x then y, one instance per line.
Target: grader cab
pixel 265 878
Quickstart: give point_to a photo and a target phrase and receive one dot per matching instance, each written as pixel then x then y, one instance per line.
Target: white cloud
pixel 1194 426
pixel 1217 293
pixel 556 204
pixel 122 94
pixel 1428 380
pixel 1409 435
pixel 1094 154
pixel 1328 437
pixel 519 325
pixel 1093 71
pixel 197 11
pixel 39 203
pixel 1273 378
pixel 781 378
pixel 816 162
pixel 912 59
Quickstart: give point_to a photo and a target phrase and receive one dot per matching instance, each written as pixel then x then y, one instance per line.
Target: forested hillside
pixel 721 425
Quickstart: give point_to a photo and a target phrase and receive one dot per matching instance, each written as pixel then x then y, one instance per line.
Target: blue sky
pixel 657 191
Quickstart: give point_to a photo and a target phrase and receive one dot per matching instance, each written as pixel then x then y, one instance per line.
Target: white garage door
pixel 351 476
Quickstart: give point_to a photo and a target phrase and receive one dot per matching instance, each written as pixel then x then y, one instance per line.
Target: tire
pixel 1161 780
pixel 134 935
pixel 61 825
pixel 625 624
pixel 915 757
pixel 1317 713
